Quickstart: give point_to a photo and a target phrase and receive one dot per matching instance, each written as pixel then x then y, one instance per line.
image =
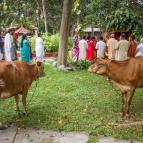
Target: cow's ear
pixel 39 63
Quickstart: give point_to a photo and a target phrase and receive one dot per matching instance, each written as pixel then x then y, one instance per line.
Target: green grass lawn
pixel 76 101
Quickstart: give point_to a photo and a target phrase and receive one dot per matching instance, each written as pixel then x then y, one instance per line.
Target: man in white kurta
pixel 7 46
pixel 39 47
pixel 82 49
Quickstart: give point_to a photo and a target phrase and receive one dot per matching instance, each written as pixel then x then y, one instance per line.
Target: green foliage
pixel 138 35
pixel 86 12
pixel 32 44
pixel 41 26
pixel 24 22
pixel 51 42
pixel 70 42
pixel 82 64
pixel 79 28
pixel 121 20
pixel 76 9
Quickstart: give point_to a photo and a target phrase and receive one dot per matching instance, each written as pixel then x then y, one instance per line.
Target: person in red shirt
pixel 90 55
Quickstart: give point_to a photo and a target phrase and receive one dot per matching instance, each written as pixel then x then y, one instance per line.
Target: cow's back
pixel 13 77
pixel 127 72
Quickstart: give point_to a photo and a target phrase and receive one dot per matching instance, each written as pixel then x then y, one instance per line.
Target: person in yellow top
pixel 111 44
pixel 121 50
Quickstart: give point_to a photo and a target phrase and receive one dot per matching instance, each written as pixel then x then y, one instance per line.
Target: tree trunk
pixel 78 15
pixel 64 30
pixel 39 6
pixel 92 31
pixel 45 16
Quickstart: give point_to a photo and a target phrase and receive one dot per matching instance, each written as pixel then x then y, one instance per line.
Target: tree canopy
pixel 85 13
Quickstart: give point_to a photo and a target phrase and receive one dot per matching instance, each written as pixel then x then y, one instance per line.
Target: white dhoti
pixel 39 53
pixel 39 48
pixel 7 47
pixel 82 49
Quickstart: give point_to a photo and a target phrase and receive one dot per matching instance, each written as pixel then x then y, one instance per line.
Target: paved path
pixel 112 140
pixel 28 135
pixel 14 135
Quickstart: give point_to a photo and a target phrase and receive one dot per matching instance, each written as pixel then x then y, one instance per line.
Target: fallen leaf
pixel 85 110
pixel 60 122
pixel 18 120
pixel 135 129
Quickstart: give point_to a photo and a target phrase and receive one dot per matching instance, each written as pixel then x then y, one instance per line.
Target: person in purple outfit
pixel 75 49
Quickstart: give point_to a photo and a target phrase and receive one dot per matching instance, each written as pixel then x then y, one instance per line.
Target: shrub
pixel 82 64
pixel 51 42
pixel 32 44
pixel 137 34
pixel 70 42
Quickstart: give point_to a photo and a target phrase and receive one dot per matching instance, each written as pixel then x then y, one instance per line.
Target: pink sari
pixel 75 50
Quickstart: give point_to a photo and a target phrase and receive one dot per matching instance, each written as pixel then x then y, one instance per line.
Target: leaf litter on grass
pixel 77 101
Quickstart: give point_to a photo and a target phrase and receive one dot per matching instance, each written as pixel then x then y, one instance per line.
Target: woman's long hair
pixel 23 38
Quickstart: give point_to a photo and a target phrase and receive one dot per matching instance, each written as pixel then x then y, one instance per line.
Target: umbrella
pixel 22 30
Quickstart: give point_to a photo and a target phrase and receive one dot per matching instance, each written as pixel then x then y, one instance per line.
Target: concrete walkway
pixel 15 135
pixel 28 135
pixel 112 140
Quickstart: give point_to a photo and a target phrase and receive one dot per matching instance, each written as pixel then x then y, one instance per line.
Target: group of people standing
pixel 89 48
pixel 9 46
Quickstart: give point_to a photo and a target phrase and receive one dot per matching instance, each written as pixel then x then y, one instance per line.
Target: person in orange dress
pixel 133 47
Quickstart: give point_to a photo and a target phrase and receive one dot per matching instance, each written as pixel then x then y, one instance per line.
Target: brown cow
pixel 127 76
pixel 16 77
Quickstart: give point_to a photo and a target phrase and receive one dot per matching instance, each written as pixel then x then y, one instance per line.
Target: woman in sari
pixel 75 49
pixel 133 47
pixel 91 53
pixel 25 50
pixel 14 48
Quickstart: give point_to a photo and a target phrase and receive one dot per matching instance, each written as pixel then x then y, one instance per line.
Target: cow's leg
pixel 16 102
pixel 24 96
pixel 130 100
pixel 124 95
